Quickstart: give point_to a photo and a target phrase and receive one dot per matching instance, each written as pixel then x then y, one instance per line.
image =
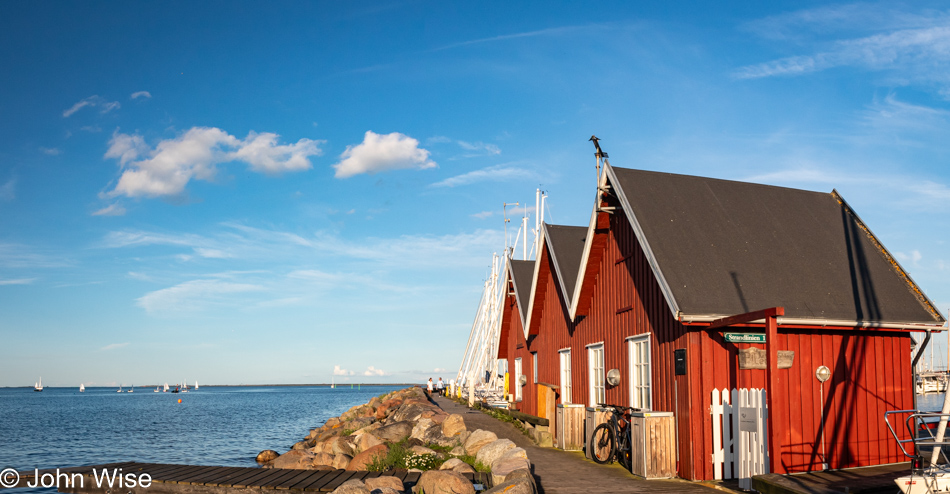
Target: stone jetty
pixel 405 430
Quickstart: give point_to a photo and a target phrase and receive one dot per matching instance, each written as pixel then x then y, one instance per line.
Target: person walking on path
pixel 440 387
pixel 430 385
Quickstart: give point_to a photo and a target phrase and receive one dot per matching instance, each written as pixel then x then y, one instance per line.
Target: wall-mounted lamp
pixel 613 377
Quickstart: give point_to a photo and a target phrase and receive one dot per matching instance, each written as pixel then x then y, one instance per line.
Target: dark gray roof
pixel 522 273
pixel 727 248
pixel 567 248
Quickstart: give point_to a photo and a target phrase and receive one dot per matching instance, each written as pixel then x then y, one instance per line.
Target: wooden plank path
pixel 196 479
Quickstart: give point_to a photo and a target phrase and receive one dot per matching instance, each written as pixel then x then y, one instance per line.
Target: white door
pixel 638 349
pixel 565 356
pixel 517 383
pixel 595 369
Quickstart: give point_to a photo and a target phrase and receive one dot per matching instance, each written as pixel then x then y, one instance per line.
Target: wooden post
pixel 772 375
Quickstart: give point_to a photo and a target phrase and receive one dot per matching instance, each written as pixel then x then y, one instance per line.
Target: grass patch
pixel 401 456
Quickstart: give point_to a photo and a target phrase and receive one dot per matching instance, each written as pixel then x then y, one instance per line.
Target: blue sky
pixel 263 192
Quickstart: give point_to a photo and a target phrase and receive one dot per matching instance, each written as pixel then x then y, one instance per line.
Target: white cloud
pixel 372 371
pixel 212 253
pixel 554 31
pixel 480 148
pixel 379 153
pixel 114 209
pixel 92 101
pixel 141 94
pixel 339 371
pixel 51 151
pixel 483 215
pixel 193 295
pixel 912 47
pixel 113 346
pixel 496 173
pixel 167 169
pixel 8 190
pixel 20 281
pixel 263 153
pixel 913 258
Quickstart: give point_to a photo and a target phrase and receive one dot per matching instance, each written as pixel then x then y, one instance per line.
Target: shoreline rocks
pixel 403 429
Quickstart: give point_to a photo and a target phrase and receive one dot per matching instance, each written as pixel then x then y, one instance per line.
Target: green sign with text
pixel 744 337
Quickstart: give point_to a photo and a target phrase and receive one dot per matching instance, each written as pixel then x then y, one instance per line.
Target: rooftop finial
pixel 596 141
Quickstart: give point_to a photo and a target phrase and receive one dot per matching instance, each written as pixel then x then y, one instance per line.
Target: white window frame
pixel 564 356
pixel 534 359
pixel 596 370
pixel 518 371
pixel 640 372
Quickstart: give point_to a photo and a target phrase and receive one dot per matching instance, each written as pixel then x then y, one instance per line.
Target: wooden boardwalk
pixel 194 479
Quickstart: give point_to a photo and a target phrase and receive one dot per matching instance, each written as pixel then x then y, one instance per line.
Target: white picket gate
pixel 740 444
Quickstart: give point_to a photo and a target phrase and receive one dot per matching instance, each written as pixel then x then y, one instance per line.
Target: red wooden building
pixel 669 263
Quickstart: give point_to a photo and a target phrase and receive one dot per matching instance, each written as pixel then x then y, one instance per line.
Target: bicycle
pixel 611 440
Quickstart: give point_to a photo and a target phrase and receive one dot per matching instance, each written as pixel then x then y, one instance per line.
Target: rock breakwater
pixel 404 430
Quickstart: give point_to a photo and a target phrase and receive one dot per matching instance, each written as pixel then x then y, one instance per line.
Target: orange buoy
pixel 179 400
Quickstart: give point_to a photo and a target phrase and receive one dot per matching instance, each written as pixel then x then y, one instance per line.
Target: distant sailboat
pixel 166 388
pixel 82 388
pixel 156 389
pixel 38 386
pixel 131 389
pixel 332 384
pixel 196 385
pixel 184 386
pixel 120 389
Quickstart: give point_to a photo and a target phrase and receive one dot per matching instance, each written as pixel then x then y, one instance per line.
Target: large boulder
pixel 493 450
pixel 366 441
pixel 477 440
pixel 324 459
pixel 267 455
pixel 514 453
pixel 452 425
pixel 332 421
pixel 358 423
pixel 457 465
pixel 342 445
pixel 444 482
pixel 503 467
pixel 362 460
pixel 394 432
pixel 340 462
pixel 354 486
pixel 427 431
pixel 384 482
pixel 295 458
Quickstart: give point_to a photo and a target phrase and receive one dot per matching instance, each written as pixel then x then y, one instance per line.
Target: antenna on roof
pixel 600 154
pixel 504 209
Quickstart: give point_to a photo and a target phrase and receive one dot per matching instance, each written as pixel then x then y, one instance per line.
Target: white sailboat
pixel 120 389
pixel 332 384
pixel 166 388
pixel 82 388
pixel 131 389
pixel 184 386
pixel 196 385
pixel 38 386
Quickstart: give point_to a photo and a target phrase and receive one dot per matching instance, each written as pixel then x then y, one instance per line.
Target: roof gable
pixel 522 273
pixel 721 247
pixel 566 244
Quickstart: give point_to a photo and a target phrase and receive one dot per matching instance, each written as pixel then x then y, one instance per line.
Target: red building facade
pixel 605 310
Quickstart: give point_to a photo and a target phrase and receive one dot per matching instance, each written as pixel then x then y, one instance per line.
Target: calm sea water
pixel 62 427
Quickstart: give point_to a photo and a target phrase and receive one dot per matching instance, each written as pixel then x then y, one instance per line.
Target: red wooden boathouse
pixel 669 263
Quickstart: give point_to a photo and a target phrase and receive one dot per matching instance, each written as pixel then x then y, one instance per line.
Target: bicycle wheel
pixel 602 444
